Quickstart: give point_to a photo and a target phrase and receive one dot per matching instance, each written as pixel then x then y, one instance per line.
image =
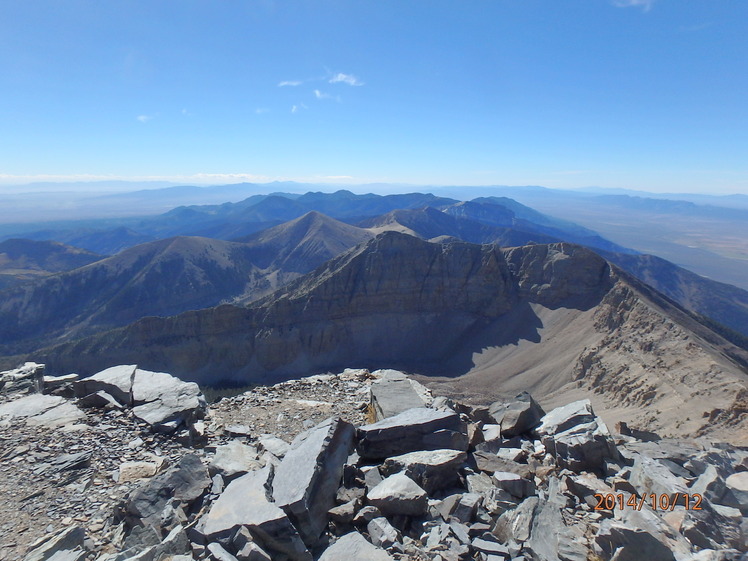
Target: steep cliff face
pixel 481 321
pixel 394 301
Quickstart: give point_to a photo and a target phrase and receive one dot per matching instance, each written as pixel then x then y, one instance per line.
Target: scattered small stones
pixel 299 471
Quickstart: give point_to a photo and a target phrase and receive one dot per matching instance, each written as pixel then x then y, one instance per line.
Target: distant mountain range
pixel 22 260
pixel 554 319
pixel 486 297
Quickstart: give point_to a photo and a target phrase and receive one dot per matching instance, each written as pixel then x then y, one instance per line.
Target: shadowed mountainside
pixel 452 309
pixel 22 260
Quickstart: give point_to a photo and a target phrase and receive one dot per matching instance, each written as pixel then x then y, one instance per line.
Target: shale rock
pixel 410 431
pixel 432 469
pixel 308 478
pixel 398 494
pixel 245 503
pixel 518 416
pixel 394 393
pixel 354 546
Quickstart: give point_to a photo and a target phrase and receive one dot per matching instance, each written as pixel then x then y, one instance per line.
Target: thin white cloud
pixel 297 108
pixel 262 110
pixel 291 83
pixel 144 118
pixel 349 79
pixel 322 95
pixel 645 5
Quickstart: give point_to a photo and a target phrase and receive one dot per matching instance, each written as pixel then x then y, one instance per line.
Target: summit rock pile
pixel 356 465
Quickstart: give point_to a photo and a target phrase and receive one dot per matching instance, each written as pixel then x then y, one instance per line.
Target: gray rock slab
pixel 736 494
pixel 354 546
pixel 490 462
pixel 60 416
pixel 245 502
pixel 618 541
pixel 308 477
pixel 399 494
pixel 565 417
pixel 649 476
pixel 30 405
pixel 518 416
pixel 431 469
pixel 218 553
pixel 710 485
pixel 234 459
pixel 163 400
pixel 185 482
pixel 99 400
pixel 584 446
pixel 274 445
pixel 514 484
pixel 66 544
pixel 586 485
pixel 117 381
pixel 382 533
pixel 410 431
pixel 394 393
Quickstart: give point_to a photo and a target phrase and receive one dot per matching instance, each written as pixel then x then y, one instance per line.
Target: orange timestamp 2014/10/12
pixel 657 501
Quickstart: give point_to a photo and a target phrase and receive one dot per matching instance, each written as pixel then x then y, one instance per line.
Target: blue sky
pixel 639 94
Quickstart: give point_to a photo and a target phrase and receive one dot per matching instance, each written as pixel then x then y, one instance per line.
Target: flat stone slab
pixel 565 417
pixel 244 502
pixel 352 547
pixel 410 431
pixel 518 416
pixel 431 469
pixel 234 459
pixel 116 381
pixel 399 494
pixel 42 410
pixel 308 477
pixel 737 491
pixel 395 393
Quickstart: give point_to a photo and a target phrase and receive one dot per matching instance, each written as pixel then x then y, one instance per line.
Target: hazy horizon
pixel 635 94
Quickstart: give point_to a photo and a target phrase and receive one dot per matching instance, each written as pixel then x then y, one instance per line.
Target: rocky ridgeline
pixel 133 465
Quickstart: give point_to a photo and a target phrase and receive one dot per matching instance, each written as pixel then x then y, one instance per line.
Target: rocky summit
pixel 130 464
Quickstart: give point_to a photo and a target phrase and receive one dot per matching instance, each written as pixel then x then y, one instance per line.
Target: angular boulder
pixel 394 393
pixel 234 459
pixel 736 495
pixel 399 494
pixel 354 546
pixel 410 431
pixel 66 545
pixel 116 381
pixel 245 502
pixel 518 416
pixel 431 469
pixel 160 399
pixel 649 477
pixel 164 401
pixel 577 438
pixel 308 477
pixel 186 482
pixel 565 417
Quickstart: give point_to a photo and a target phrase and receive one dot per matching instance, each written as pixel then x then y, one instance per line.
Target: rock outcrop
pixel 669 500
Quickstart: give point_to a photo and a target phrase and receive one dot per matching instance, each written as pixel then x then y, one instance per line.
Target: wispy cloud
pixel 291 83
pixel 323 95
pixel 262 110
pixel 349 79
pixel 645 5
pixel 144 118
pixel 297 108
